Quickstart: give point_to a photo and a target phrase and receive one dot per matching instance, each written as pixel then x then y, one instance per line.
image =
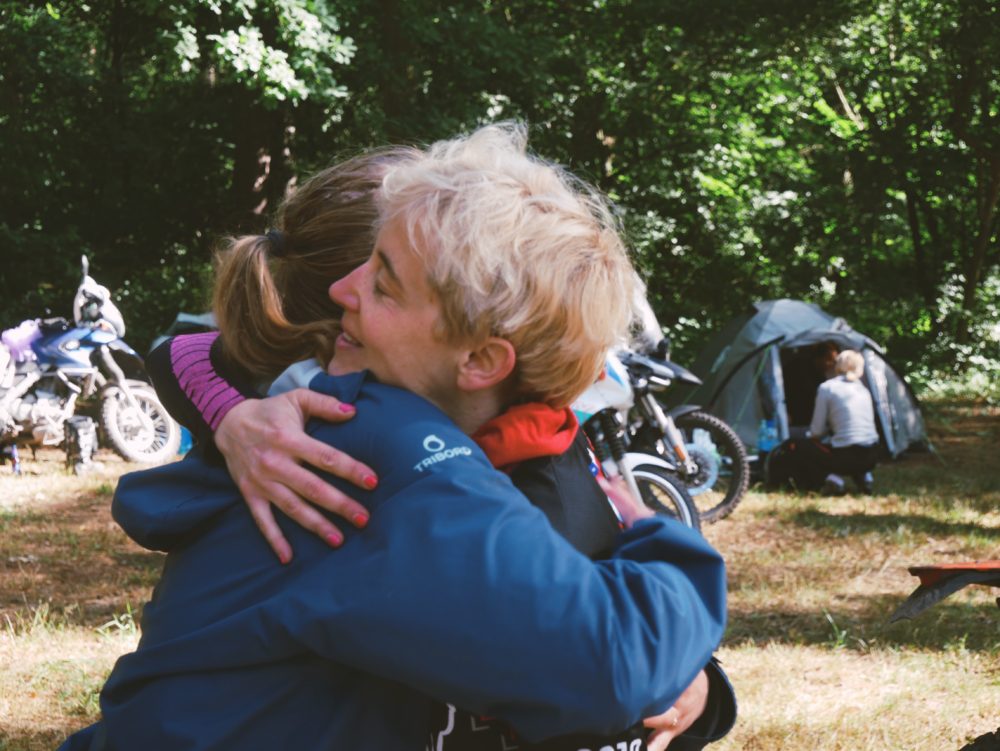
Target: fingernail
pixel 370 481
pixel 360 520
pixel 334 540
pixel 347 409
pixel 284 558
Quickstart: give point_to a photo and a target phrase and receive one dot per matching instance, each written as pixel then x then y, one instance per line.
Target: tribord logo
pixel 438 452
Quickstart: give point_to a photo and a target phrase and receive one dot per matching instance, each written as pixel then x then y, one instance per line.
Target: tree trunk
pixel 976 264
pixel 919 251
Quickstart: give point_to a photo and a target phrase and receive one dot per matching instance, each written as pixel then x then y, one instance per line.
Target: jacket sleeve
pixel 163 507
pixel 196 384
pixel 465 592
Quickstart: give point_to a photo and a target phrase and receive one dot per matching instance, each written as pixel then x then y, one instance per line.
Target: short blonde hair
pixel 518 248
pixel 850 364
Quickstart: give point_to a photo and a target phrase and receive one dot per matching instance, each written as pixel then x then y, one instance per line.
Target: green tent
pixel 762 366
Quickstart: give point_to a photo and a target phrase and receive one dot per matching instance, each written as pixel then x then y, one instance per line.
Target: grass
pixel 68 578
pixel 813 581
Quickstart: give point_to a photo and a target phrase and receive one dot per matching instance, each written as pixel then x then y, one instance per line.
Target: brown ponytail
pixel 272 305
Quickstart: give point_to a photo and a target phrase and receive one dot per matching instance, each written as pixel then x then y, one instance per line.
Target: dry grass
pixel 68 580
pixel 816 697
pixel 812 583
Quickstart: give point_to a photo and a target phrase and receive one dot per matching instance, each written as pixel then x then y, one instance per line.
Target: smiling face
pixel 391 316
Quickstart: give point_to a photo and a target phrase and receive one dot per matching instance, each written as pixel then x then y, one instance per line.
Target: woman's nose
pixel 344 291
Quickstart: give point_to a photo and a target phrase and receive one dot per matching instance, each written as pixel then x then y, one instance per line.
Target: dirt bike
pixel 600 410
pixel 54 375
pixel 701 449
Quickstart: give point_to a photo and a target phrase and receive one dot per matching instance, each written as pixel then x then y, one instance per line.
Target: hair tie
pixel 277 240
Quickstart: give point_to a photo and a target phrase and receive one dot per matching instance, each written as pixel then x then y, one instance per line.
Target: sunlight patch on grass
pixel 51 675
pixel 881 700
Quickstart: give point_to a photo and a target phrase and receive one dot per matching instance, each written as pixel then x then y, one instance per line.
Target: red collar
pixel 526 431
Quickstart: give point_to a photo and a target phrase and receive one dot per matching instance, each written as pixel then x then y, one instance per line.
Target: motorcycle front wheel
pixel 666 494
pixel 723 472
pixel 142 433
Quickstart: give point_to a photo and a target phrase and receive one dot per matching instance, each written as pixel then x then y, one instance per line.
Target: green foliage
pixel 844 152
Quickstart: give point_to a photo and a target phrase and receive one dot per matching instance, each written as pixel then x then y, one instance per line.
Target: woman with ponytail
pixel 272 306
pixel 271 294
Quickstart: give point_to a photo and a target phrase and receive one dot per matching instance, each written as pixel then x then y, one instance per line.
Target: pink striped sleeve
pixel 190 358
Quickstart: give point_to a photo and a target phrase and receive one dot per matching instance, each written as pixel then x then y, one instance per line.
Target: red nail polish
pixel 284 558
pixel 360 520
pixel 347 409
pixel 334 540
pixel 370 481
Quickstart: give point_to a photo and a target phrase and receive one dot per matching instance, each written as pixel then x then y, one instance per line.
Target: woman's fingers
pixel 305 515
pixel 659 740
pixel 676 720
pixel 262 502
pixel 320 455
pixel 287 480
pixel 264 443
pixel 260 510
pixel 665 728
pixel 307 450
pixel 630 509
pixel 323 406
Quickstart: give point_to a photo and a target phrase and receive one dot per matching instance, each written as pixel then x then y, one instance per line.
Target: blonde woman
pixel 844 412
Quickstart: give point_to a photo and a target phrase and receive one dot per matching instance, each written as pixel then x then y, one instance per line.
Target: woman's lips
pixel 349 340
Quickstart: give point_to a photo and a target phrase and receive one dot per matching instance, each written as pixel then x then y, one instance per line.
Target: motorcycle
pixel 54 375
pixel 694 446
pixel 600 410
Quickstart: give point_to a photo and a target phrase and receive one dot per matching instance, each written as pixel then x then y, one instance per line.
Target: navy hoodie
pixel 458 590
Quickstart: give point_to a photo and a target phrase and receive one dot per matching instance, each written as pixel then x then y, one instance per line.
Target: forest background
pixel 844 152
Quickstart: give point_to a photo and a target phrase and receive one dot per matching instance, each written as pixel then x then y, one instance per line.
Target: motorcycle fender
pixel 683 409
pixel 633 459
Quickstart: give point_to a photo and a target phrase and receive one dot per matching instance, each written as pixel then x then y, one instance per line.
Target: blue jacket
pixel 458 589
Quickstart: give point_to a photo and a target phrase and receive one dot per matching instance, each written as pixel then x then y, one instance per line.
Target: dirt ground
pixel 812 582
pixel 67 552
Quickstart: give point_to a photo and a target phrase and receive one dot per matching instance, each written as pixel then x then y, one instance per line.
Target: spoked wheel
pixel 666 494
pixel 723 472
pixel 143 432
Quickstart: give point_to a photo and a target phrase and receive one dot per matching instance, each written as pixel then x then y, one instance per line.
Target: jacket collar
pixel 526 431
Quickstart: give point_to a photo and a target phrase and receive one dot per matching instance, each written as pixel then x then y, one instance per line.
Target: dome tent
pixel 762 366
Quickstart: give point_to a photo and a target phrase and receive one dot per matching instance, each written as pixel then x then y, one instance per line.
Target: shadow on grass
pixel 889 524
pixel 71 565
pixel 862 623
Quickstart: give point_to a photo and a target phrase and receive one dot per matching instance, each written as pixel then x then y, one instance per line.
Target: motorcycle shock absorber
pixel 671 434
pixel 613 429
pixel 614 434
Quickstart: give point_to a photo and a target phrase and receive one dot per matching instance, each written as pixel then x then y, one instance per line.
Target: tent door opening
pixel 802 372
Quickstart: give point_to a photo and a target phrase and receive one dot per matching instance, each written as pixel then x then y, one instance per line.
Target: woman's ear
pixel 487 366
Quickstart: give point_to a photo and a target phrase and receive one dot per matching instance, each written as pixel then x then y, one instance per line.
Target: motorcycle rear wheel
pixel 666 495
pixel 723 473
pixel 129 432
